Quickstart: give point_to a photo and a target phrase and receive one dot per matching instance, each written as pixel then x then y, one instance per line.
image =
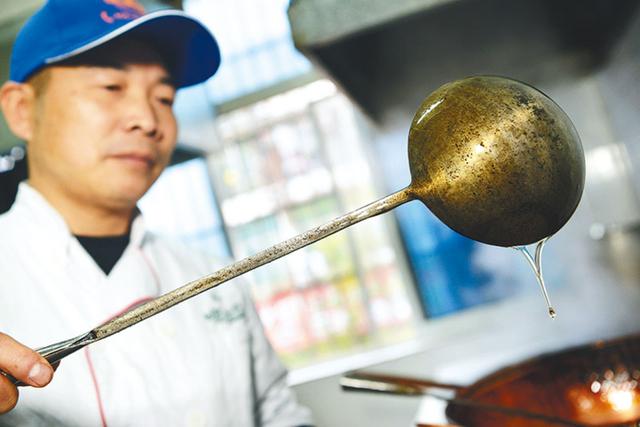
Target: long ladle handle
pixel 55 352
pixel 363 382
pixel 238 268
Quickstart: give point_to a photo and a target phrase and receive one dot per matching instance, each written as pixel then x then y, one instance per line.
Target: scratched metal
pixel 496 160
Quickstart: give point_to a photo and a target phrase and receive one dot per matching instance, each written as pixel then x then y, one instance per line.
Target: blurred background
pixel 308 118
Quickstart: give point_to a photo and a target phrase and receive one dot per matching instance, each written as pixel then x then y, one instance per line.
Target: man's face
pixel 102 134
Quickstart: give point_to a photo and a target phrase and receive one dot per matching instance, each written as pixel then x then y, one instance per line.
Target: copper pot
pixel 591 385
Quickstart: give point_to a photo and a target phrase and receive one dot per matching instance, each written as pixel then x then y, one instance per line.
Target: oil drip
pixel 535 262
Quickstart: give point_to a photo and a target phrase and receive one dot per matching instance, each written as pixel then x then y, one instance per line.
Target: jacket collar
pixel 32 206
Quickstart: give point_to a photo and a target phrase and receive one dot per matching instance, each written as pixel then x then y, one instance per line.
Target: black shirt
pixel 105 251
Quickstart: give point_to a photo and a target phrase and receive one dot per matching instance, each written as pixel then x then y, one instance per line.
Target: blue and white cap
pixel 62 29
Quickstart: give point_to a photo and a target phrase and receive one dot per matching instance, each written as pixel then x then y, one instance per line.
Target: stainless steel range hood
pixel 387 55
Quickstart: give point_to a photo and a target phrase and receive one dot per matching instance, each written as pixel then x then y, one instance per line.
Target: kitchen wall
pixel 618 85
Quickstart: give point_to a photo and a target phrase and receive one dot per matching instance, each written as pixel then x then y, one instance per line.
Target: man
pixel 91 92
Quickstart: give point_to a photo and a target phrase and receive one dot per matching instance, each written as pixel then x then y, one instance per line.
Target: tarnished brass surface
pixel 496 160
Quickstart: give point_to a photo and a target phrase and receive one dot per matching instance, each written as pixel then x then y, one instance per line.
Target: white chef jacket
pixel 205 362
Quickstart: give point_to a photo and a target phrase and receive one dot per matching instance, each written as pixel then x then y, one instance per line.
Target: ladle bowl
pixel 493 158
pixel 496 160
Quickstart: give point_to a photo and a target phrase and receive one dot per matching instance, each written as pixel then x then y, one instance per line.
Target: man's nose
pixel 142 116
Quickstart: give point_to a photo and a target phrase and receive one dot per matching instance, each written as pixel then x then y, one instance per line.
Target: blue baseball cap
pixel 63 29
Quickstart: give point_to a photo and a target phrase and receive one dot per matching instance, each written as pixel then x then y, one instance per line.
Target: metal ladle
pixel 495 159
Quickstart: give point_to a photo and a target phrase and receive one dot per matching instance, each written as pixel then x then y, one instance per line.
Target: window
pixel 255 43
pixel 290 163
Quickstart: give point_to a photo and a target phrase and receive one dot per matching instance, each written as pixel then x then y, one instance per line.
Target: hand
pixel 25 365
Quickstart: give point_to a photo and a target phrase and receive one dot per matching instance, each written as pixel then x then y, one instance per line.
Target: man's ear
pixel 18 105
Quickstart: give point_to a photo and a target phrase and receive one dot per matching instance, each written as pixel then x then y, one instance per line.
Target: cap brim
pixel 191 51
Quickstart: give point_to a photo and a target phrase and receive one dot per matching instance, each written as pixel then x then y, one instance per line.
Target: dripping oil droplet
pixel 535 262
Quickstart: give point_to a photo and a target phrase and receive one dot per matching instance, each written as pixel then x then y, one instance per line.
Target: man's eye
pixel 113 88
pixel 166 101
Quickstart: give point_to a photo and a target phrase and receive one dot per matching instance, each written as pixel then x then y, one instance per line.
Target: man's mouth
pixel 135 159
